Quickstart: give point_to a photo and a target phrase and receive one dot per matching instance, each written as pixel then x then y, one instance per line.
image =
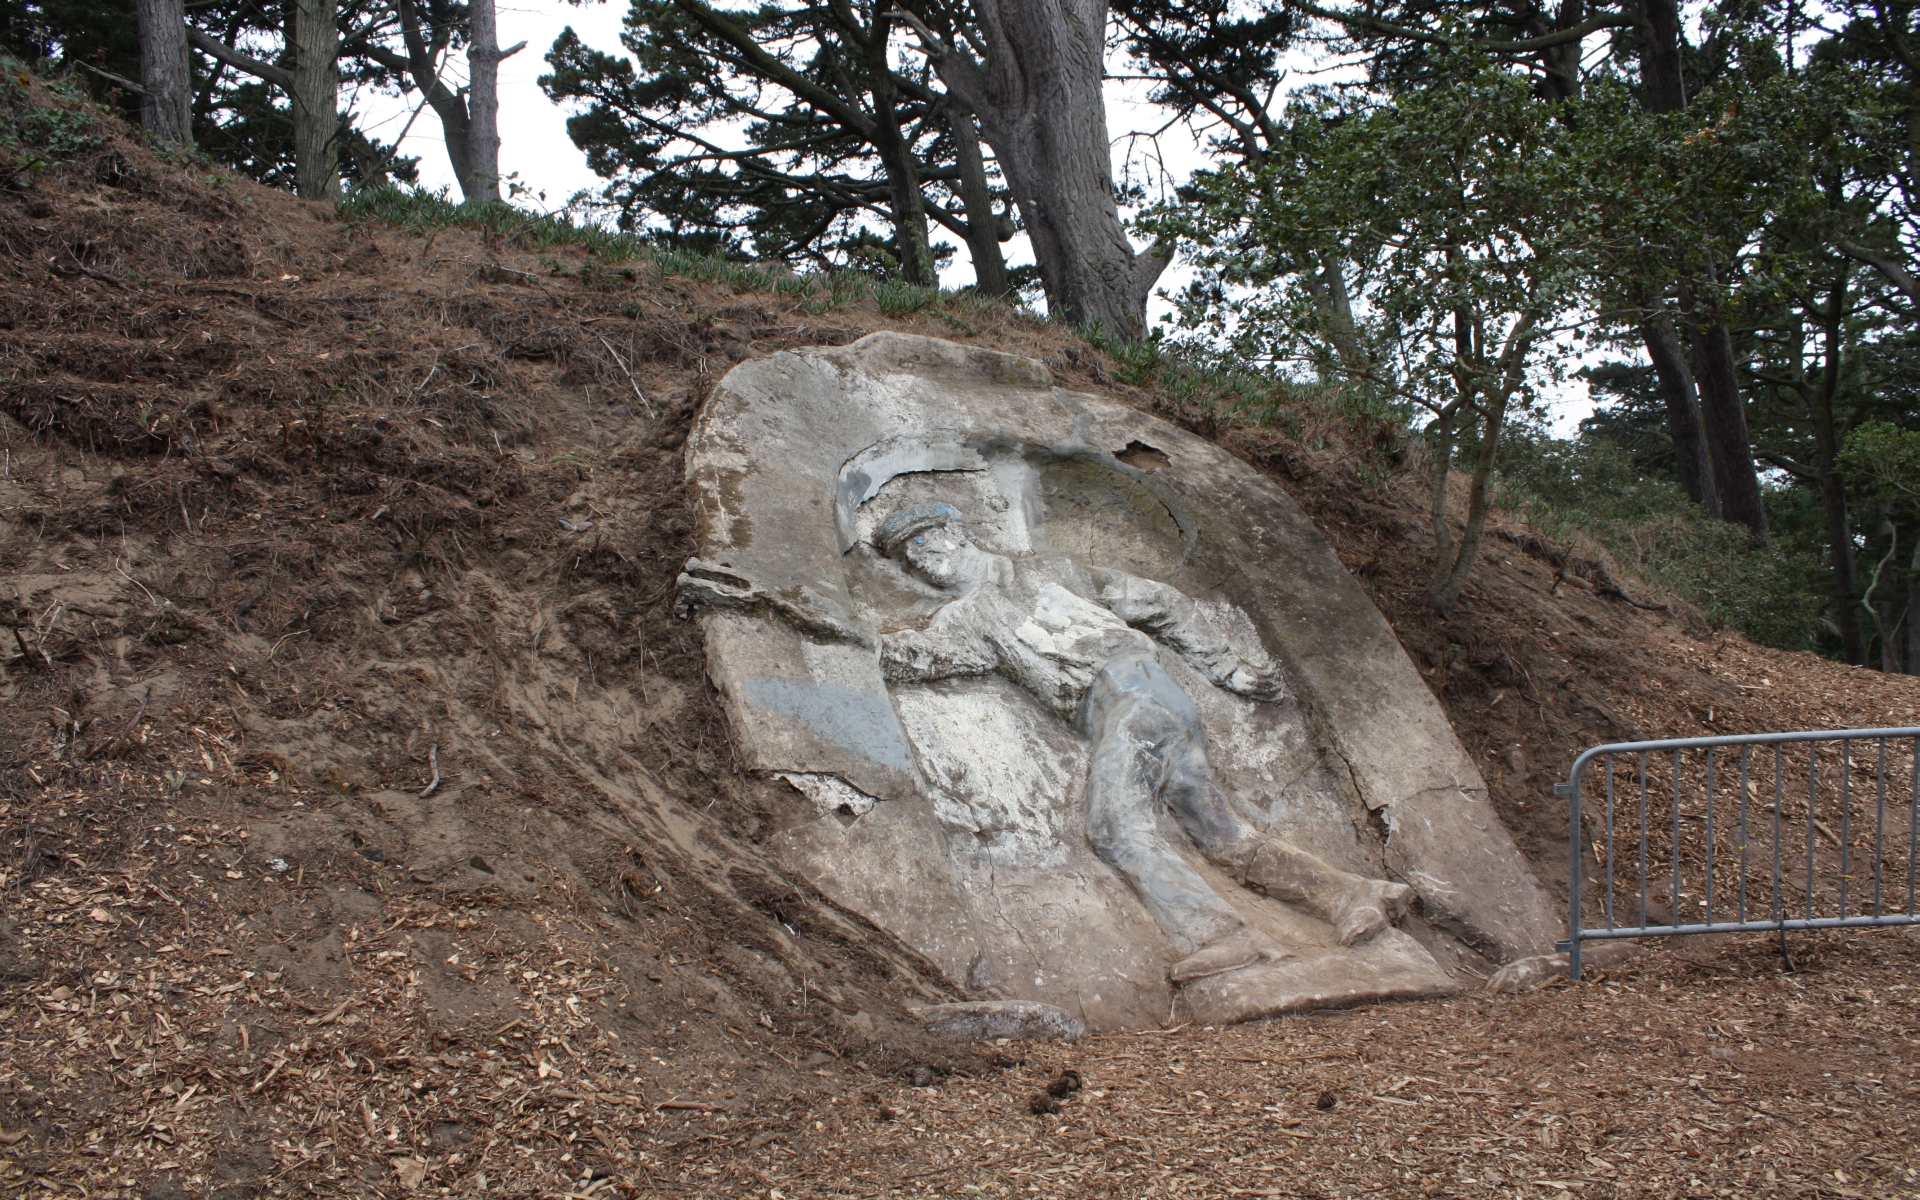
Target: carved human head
pixel 931 539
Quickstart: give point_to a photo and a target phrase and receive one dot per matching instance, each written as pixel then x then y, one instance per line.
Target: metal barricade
pixel 1695 855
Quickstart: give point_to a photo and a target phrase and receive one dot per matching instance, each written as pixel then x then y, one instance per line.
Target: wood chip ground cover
pixel 368 826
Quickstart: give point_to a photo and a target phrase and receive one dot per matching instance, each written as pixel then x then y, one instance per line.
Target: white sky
pixel 536 152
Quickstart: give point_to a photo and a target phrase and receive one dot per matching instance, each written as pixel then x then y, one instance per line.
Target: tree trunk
pixel 1723 417
pixel 482 178
pixel 1560 65
pixel 1833 490
pixel 455 125
pixel 313 39
pixel 908 202
pixel 1039 96
pixel 1328 287
pixel 1886 613
pixel 167 108
pixel 1683 412
pixel 1658 27
pixel 976 197
pixel 1913 611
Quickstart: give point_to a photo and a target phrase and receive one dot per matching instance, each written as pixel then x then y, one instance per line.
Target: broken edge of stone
pixel 1525 974
pixel 990 1020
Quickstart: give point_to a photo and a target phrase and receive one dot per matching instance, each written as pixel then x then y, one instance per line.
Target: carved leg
pixel 1135 725
pixel 1357 907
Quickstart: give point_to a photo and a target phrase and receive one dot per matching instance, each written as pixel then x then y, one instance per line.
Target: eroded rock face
pixel 1081 707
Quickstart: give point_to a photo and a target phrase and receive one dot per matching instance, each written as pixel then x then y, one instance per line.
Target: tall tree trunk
pixel 1913 611
pixel 1683 412
pixel 1704 408
pixel 908 202
pixel 314 41
pixel 166 110
pixel 1833 490
pixel 1723 417
pixel 1560 65
pixel 421 61
pixel 483 103
pixel 1039 96
pixel 1886 583
pixel 976 197
pixel 1658 28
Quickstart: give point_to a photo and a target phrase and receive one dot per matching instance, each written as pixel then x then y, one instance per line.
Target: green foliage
pixel 1769 591
pixel 1885 459
pixel 43 127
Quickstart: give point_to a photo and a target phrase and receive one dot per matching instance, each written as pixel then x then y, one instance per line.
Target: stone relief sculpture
pixel 1121 739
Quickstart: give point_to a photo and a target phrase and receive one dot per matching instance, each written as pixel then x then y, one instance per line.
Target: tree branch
pixel 110 77
pixel 1894 273
pixel 1573 33
pixel 209 44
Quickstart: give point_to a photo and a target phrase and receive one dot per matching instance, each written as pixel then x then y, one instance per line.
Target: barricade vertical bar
pixel 1708 900
pixel 1846 811
pixel 1673 893
pixel 1779 912
pixel 1879 821
pixel 1576 873
pixel 1745 753
pixel 1609 863
pixel 1643 839
pixel 1913 824
pixel 1813 804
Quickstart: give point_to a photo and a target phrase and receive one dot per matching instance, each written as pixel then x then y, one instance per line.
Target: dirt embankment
pixel 370 821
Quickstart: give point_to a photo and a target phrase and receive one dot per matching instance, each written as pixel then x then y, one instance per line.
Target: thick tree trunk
pixel 1658 29
pixel 166 110
pixel 908 202
pixel 1560 64
pixel 976 197
pixel 1723 417
pixel 482 180
pixel 1833 490
pixel 1913 611
pixel 314 40
pixel 1039 96
pixel 1683 412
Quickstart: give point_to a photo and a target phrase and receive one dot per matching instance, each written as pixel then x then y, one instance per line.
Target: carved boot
pixel 1244 947
pixel 1356 907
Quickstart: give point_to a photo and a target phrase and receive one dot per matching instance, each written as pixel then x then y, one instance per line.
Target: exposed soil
pixel 372 826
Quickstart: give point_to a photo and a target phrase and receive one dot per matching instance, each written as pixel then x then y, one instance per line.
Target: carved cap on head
pixel 918 518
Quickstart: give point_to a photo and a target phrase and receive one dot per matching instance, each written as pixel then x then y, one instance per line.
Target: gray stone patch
pixel 991 1020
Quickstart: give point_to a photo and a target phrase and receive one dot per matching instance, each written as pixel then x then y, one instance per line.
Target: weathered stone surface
pixel 1391 966
pixel 952 812
pixel 1525 974
pixel 988 1020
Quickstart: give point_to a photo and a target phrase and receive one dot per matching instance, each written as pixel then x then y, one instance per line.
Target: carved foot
pixel 1356 907
pixel 1369 906
pixel 1241 949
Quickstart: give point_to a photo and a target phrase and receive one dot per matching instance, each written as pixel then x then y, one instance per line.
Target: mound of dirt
pixel 371 823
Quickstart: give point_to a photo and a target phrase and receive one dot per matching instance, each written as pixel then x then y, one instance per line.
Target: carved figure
pixel 1082 642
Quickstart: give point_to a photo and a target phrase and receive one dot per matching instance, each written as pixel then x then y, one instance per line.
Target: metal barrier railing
pixel 1724 859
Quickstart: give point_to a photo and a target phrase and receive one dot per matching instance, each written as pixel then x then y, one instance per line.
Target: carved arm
pixel 1171 617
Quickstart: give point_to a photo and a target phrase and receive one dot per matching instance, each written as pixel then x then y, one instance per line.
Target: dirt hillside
pixel 370 823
